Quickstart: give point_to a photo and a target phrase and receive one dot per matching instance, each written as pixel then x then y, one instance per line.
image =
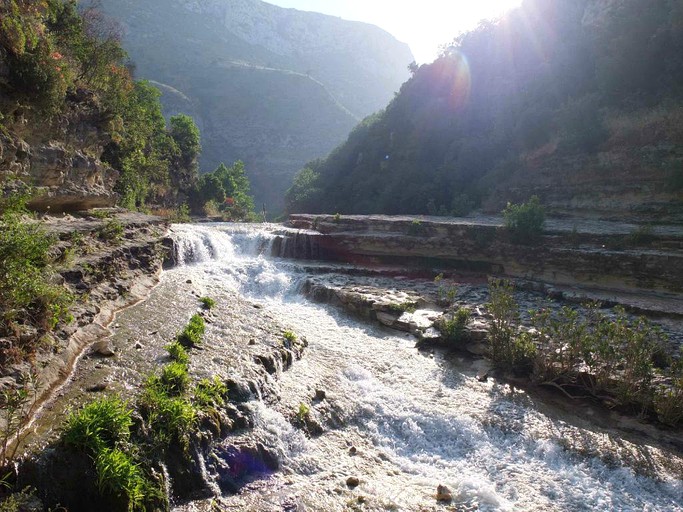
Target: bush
pixel 26 294
pixel 102 423
pixel 525 221
pixel 505 316
pixel 192 334
pixel 112 231
pixel 453 327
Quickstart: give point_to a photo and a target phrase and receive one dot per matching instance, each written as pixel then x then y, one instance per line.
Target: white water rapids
pixel 416 419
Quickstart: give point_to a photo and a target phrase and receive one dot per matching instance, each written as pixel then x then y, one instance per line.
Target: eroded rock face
pixel 66 179
pixel 69 181
pixel 594 254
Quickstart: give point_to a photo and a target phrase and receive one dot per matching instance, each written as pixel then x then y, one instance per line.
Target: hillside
pixel 270 86
pixel 579 102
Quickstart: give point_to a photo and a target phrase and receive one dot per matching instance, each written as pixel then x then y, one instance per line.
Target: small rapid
pixel 404 421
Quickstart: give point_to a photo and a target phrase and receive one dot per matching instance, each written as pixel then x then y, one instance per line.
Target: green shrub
pixel 505 316
pixel 445 294
pixel 102 423
pixel 26 293
pixel 618 352
pixel 178 353
pixel 168 418
pixel 112 231
pixel 668 401
pixel 18 501
pixel 453 327
pixel 208 302
pixel 181 215
pixel 525 221
pixel 302 412
pixel 16 406
pixel 174 379
pixel 192 334
pixel 118 476
pixel 640 236
pixel 565 341
pixel 210 393
pixel 402 307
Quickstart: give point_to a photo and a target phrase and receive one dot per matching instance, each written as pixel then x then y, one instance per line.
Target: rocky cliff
pixel 274 87
pixel 608 258
pixel 61 160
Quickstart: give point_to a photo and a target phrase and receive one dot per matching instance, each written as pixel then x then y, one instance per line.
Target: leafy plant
pixel 26 293
pixel 174 379
pixel 102 423
pixel 289 336
pixel 453 327
pixel 192 334
pixel 207 302
pixel 210 393
pixel 112 231
pixel 119 476
pixel 525 221
pixel 177 352
pixel 445 294
pixel 169 418
pixel 16 406
pixel 302 412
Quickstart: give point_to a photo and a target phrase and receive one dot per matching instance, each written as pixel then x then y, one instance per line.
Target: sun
pixel 439 22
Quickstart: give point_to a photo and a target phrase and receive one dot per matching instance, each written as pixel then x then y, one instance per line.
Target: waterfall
pixel 226 242
pixel 414 419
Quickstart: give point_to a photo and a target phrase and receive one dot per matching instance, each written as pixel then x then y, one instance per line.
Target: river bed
pixel 399 420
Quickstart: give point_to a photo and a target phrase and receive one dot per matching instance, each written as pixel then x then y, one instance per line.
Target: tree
pixel 185 135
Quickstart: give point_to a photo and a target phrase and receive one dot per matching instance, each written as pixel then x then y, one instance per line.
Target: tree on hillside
pixel 225 190
pixel 185 134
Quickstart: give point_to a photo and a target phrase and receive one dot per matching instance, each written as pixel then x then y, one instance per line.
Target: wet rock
pixel 353 481
pixel 443 494
pixel 238 391
pixel 103 348
pixel 237 463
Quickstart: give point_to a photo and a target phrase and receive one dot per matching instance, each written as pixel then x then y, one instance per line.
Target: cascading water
pixel 404 421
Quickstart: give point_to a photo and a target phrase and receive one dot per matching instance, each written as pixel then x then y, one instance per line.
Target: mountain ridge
pixel 271 86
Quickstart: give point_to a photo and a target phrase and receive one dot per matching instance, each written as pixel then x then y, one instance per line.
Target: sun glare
pixel 424 26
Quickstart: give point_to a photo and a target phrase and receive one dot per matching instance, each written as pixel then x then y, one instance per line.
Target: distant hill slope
pixel 577 101
pixel 271 86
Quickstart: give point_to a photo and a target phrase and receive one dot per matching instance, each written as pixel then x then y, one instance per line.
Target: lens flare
pixel 462 80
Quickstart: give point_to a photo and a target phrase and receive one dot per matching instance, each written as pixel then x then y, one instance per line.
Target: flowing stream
pixel 404 421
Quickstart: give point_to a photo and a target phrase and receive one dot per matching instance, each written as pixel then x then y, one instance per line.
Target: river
pixel 404 421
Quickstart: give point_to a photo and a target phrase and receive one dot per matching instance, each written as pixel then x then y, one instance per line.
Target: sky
pixel 423 24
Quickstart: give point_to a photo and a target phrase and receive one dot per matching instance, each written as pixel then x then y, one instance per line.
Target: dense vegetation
pixel 56 62
pixel 586 351
pixel 28 294
pixel 551 82
pixel 225 193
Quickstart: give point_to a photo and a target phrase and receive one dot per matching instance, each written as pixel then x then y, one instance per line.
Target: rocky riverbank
pixel 243 347
pixel 107 260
